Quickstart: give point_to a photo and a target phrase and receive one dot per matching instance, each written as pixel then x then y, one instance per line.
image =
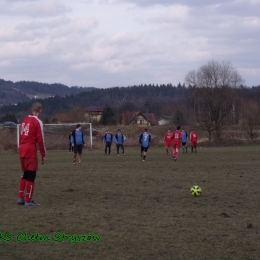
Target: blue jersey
pixel 119 138
pixel 184 137
pixel 108 138
pixel 145 139
pixel 77 137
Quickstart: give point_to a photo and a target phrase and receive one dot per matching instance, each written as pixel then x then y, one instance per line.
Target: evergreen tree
pixel 9 117
pixel 178 117
pixel 108 116
pixel 46 120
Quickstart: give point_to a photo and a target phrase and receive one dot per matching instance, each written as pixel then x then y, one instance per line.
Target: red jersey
pixel 193 137
pixel 31 134
pixel 167 138
pixel 177 136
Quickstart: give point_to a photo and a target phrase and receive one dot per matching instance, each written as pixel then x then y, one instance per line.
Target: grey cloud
pixel 233 9
pixel 49 29
pixel 14 1
pixel 161 48
pixel 171 2
pixel 42 9
pixel 35 9
pixel 50 24
pixel 198 6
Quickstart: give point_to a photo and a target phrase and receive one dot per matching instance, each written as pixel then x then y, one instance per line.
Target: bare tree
pixel 214 94
pixel 250 120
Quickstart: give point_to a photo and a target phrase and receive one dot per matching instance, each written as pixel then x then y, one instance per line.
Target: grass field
pixel 139 210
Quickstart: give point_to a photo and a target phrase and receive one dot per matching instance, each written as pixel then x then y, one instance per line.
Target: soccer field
pixel 124 208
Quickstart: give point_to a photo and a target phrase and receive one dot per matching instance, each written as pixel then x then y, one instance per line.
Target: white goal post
pixel 71 125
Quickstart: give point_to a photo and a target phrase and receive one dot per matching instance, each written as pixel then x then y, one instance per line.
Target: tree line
pixel 12 92
pixel 213 97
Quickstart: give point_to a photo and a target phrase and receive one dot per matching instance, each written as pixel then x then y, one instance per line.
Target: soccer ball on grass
pixel 195 191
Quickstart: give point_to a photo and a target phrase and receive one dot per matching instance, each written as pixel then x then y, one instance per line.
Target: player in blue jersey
pixel 184 140
pixel 144 140
pixel 119 137
pixel 77 141
pixel 107 140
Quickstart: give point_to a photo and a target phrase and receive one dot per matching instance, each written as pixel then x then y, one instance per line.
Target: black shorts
pixel 144 149
pixel 78 148
pixel 108 144
pixel 183 143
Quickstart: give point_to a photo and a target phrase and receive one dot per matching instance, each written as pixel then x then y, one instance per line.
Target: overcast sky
pixel 107 43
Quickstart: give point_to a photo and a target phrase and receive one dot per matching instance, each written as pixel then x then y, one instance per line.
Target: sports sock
pixel 144 157
pixel 176 153
pixel 166 150
pixel 22 186
pixel 29 191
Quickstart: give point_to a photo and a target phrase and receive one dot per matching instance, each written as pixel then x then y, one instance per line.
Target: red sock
pixel 22 188
pixel 29 191
pixel 176 153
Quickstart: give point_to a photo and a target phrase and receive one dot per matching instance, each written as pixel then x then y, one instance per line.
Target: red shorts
pixel 168 144
pixel 193 143
pixel 176 144
pixel 29 164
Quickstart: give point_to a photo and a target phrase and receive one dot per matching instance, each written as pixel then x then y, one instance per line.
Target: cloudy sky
pixel 107 43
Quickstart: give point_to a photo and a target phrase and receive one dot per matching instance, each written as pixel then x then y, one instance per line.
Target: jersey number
pixel 25 129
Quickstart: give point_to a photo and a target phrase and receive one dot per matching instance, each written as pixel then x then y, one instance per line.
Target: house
pixel 138 118
pixel 93 115
pixel 78 115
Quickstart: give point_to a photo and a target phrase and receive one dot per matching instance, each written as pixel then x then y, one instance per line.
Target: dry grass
pixel 57 138
pixel 141 210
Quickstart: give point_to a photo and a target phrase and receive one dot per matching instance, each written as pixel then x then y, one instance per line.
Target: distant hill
pixel 129 98
pixel 167 101
pixel 14 92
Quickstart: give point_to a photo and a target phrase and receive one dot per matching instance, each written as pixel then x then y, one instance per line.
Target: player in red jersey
pixel 193 140
pixel 31 134
pixel 168 142
pixel 176 136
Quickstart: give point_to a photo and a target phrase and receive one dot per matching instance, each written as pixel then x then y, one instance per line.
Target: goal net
pixel 56 136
